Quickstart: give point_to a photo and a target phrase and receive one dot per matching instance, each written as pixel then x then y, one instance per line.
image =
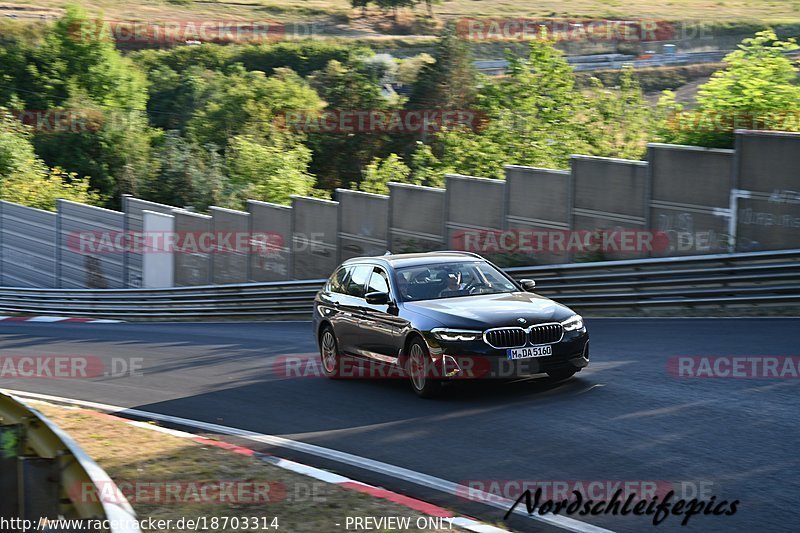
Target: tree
pixel 26 180
pixel 188 174
pixel 340 157
pixel 536 116
pixel 76 67
pixel 450 81
pixel 385 5
pixel 409 69
pixel 380 172
pixel 241 101
pixel 756 90
pixel 271 173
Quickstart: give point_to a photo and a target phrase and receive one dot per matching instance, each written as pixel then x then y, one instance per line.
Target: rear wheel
pixel 420 370
pixel 329 353
pixel 562 374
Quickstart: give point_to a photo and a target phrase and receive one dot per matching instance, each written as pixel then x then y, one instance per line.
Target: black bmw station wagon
pixel 441 316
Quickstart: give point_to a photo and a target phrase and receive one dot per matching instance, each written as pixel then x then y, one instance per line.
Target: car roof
pixel 410 260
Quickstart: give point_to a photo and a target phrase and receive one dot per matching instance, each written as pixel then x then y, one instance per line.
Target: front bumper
pixel 478 360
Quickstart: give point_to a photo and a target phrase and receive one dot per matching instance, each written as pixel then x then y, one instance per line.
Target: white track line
pixel 397 472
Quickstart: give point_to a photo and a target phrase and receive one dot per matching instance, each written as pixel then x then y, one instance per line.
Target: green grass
pixel 129 454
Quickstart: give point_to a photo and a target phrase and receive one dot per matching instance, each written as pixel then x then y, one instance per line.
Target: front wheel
pixel 561 375
pixel 329 353
pixel 420 371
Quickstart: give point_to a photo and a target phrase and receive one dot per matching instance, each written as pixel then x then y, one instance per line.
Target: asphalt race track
pixel 625 418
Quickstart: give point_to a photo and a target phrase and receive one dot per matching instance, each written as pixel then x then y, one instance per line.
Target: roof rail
pixel 473 254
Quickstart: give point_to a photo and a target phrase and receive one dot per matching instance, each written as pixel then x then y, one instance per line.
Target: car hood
pixel 491 310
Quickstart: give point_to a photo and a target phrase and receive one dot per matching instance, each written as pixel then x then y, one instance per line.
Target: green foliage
pixel 187 175
pixel 450 81
pixel 409 69
pixel 26 180
pixel 77 67
pixel 271 173
pixel 303 57
pixel 340 157
pixel 758 89
pixel 248 102
pixel 380 172
pixel 536 116
pixel 618 121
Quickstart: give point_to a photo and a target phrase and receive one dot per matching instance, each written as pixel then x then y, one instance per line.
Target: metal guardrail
pixel 43 473
pixel 720 280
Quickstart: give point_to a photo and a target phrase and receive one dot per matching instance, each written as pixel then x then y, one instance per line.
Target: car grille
pixel 517 337
pixel 545 334
pixel 505 337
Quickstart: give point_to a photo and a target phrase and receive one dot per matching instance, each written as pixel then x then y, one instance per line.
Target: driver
pixel 453 284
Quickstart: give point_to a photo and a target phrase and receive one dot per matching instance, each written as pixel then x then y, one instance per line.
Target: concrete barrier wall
pixel 692 195
pixel 134 209
pixel 363 224
pixel 475 206
pixel 610 197
pixel 102 268
pixel 229 262
pixel 192 267
pixel 315 228
pixel 538 205
pixel 27 246
pixel 416 218
pixel 690 198
pixel 273 222
pixel 768 216
pixel 158 266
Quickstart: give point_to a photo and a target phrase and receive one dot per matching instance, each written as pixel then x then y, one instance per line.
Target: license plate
pixel 533 351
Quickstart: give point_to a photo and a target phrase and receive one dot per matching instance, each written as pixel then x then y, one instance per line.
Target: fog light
pixel 450 366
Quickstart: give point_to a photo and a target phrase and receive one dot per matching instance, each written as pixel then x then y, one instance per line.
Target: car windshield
pixel 450 280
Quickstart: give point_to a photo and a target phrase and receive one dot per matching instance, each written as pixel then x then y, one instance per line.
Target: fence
pixel 719 281
pixel 40 468
pixel 681 201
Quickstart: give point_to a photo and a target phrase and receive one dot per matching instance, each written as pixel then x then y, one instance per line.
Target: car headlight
pixel 450 335
pixel 573 323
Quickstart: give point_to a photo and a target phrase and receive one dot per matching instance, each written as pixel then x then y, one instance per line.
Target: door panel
pixel 380 324
pixel 351 309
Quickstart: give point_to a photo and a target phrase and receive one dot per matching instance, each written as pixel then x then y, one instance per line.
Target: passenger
pixel 454 286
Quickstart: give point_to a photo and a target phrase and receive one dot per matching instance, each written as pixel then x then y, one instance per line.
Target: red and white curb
pixel 57 319
pixel 463 522
pixel 396 472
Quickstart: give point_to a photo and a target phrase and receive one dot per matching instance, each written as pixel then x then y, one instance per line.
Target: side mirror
pixel 377 298
pixel 528 284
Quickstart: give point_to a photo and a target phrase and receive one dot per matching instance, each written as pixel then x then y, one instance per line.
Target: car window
pixel 378 281
pixel 450 280
pixel 357 280
pixel 337 281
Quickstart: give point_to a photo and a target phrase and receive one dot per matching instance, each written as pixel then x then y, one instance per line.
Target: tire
pixel 418 368
pixel 562 374
pixel 330 359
